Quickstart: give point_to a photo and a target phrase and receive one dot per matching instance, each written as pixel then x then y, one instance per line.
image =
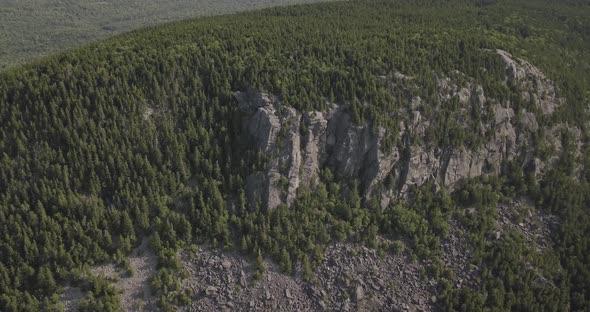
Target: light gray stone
pixel 297 145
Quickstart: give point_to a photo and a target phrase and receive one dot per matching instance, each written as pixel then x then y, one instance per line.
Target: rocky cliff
pixel 297 145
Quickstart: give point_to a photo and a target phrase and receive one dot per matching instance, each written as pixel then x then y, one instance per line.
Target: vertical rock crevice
pixel 298 145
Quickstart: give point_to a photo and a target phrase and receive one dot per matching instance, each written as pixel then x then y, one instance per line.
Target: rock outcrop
pixel 297 145
pixel 275 131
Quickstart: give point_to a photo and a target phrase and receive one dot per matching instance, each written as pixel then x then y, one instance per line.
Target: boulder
pixel 359 293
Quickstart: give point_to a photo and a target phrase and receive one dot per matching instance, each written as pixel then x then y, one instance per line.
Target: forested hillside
pixel 31 29
pixel 142 135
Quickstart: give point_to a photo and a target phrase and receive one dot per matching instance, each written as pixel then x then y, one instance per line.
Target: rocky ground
pixel 515 215
pixel 456 254
pixel 521 216
pixel 71 297
pixel 135 291
pixel 351 278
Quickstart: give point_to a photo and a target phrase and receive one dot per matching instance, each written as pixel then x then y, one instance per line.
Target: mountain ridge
pixel 314 140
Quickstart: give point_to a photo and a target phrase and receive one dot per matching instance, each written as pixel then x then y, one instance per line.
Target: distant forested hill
pixel 30 29
pixel 142 135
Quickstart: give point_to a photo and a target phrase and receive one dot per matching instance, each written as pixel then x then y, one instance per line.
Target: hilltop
pixel 393 155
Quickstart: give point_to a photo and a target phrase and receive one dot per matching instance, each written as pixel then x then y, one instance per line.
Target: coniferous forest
pixel 139 136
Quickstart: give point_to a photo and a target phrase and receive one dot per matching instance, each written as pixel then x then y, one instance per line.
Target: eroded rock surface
pixel 298 145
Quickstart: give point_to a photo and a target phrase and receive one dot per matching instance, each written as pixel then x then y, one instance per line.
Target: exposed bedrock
pixel 297 145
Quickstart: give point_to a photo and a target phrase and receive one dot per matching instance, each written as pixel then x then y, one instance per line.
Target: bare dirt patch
pixel 135 289
pixel 71 297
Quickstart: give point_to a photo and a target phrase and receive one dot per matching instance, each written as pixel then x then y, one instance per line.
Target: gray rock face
pixel 274 131
pixel 487 159
pixel 533 82
pixel 297 145
pixel 314 145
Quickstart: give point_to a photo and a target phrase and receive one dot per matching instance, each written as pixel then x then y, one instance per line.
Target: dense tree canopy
pixel 137 136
